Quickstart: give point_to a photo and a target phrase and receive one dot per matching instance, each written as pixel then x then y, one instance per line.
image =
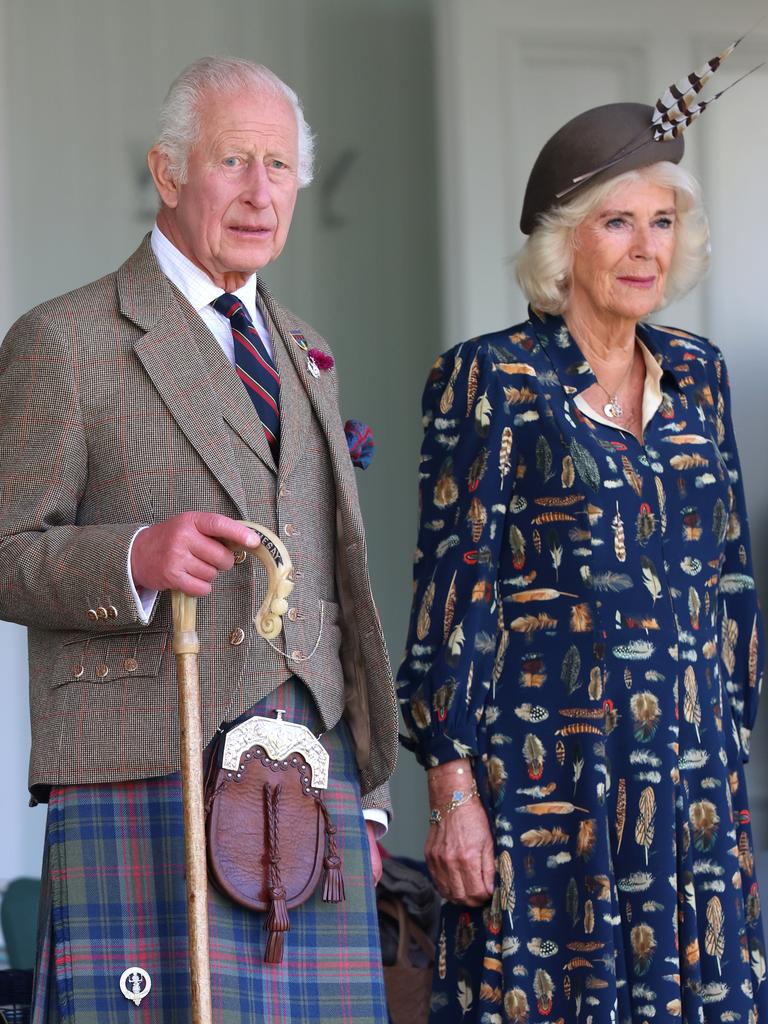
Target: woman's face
pixel 622 253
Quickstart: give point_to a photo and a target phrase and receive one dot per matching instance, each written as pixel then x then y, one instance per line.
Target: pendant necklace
pixel 613 408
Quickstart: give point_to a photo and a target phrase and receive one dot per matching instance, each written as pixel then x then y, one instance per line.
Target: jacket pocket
pixel 110 656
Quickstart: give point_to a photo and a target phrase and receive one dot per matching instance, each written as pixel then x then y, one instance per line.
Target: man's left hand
pixel 370 828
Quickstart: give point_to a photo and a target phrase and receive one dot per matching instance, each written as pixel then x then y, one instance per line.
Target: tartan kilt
pixel 114 897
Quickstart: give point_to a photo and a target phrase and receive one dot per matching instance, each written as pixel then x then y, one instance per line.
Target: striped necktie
pixel 254 366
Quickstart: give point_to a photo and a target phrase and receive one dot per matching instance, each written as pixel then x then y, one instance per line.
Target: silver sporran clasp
pixel 278 738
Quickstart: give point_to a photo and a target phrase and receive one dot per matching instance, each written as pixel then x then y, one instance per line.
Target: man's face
pixel 231 216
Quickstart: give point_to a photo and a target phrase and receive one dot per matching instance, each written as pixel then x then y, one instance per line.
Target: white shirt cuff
pixel 143 599
pixel 380 819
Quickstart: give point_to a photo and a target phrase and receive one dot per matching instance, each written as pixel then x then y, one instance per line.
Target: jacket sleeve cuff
pixel 378 800
pixel 437 748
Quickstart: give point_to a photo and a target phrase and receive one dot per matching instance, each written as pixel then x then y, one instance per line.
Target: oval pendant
pixel 613 409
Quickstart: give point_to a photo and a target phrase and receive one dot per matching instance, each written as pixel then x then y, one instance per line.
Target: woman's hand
pixel 459 850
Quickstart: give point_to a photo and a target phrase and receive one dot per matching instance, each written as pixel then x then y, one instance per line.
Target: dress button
pixel 289 530
pixel 130 665
pixel 101 611
pixel 102 671
pixel 236 637
pixel 239 557
pixel 111 611
pixel 293 614
pixel 92 614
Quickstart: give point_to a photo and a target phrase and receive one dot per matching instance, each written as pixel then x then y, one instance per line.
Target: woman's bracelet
pixel 458 799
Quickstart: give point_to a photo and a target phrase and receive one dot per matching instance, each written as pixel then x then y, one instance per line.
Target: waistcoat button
pixel 101 611
pixel 239 557
pixel 130 664
pixel 111 611
pixel 236 637
pixel 102 671
pixel 289 530
pixel 293 614
pixel 92 614
pixel 297 656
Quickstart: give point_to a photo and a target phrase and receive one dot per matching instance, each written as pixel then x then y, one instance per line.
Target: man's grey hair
pixel 545 262
pixel 179 121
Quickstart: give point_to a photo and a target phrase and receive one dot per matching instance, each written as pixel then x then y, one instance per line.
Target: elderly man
pixel 141 417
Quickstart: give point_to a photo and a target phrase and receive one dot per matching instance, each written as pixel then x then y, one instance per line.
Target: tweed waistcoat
pixel 135 416
pixel 296 500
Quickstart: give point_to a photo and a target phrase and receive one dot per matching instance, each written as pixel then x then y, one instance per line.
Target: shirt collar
pixel 573 370
pixel 193 283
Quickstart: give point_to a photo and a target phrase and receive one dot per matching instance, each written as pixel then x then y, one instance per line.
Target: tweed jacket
pixel 118 409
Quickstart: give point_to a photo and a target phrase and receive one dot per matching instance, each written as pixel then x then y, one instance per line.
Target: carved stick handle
pixel 186 646
pixel 274 556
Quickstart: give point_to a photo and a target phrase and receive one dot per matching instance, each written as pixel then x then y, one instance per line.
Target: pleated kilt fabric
pixel 113 897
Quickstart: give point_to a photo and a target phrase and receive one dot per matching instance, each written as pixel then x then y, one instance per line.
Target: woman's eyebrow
pixel 630 213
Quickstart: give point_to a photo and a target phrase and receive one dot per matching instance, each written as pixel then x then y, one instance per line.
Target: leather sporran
pixel 270 837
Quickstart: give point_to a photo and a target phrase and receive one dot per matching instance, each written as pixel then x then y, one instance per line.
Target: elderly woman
pixel 585 656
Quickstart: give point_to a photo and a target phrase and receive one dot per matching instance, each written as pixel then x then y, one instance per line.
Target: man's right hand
pixel 186 552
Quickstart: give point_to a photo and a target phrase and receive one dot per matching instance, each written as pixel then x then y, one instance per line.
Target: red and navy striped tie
pixel 254 366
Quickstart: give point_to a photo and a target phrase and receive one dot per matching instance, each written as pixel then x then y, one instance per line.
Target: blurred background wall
pixel 428 118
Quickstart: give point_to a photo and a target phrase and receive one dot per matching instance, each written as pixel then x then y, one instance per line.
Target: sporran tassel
pixel 333 879
pixel 277 922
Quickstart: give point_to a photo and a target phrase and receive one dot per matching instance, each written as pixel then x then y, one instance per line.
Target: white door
pixel 509 74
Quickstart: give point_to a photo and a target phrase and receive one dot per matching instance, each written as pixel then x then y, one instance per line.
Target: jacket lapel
pixel 321 397
pixel 237 408
pixel 295 410
pixel 169 353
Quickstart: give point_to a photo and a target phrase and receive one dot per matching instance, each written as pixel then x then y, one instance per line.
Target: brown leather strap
pixel 407 929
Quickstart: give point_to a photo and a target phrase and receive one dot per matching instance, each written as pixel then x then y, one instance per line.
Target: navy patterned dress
pixel 585 627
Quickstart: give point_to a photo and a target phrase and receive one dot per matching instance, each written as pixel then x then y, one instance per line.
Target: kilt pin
pixel 137 415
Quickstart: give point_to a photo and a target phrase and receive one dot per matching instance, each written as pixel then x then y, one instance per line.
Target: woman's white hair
pixel 179 122
pixel 545 262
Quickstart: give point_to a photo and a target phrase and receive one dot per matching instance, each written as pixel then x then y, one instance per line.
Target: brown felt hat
pixel 609 140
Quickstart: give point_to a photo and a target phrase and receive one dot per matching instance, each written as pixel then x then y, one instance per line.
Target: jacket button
pixel 293 614
pixel 236 637
pixel 92 614
pixel 102 671
pixel 101 612
pixel 239 557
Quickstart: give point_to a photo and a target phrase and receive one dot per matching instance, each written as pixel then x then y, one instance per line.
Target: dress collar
pixel 573 370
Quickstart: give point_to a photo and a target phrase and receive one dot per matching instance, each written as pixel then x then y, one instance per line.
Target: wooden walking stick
pixel 268 623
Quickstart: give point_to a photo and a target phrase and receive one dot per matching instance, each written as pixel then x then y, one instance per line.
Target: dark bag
pixel 269 834
pixel 408 988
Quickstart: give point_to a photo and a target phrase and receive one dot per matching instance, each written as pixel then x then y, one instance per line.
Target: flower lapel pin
pixel 317 360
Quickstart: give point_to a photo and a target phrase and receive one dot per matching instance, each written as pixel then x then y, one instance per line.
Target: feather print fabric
pixel 585 628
